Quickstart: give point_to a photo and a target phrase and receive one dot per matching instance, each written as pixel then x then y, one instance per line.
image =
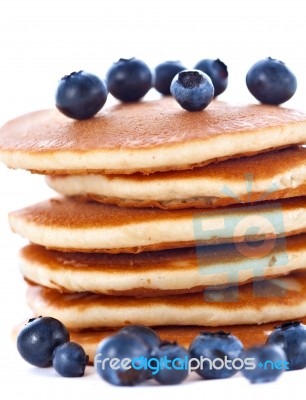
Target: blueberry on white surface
pixel 220 348
pixel 111 357
pixel 174 354
pixel 269 362
pixel 291 337
pixel 38 338
pixel 69 360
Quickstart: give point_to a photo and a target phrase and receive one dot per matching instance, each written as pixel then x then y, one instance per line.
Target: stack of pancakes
pixel 181 221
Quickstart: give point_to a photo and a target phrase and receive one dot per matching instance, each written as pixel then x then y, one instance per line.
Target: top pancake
pixel 146 137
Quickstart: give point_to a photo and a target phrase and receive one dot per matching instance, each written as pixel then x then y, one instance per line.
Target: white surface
pixel 40 41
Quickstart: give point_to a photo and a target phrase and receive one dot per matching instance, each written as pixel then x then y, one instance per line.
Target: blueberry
pixel 220 351
pixel 169 367
pixel 129 80
pixel 192 89
pixel 38 339
pixel 80 95
pixel 146 334
pixel 111 359
pixel 269 363
pixel 271 81
pixel 164 73
pixel 291 337
pixel 69 360
pixel 217 71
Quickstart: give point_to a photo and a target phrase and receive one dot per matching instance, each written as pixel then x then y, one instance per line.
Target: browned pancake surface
pixel 140 126
pixel 285 296
pixel 245 171
pixel 160 263
pixel 77 213
pixel 173 259
pixel 262 166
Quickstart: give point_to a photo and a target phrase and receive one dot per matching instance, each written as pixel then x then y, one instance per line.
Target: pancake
pixel 75 225
pixel 254 303
pixel 268 176
pixel 146 137
pixel 160 273
pixel 250 335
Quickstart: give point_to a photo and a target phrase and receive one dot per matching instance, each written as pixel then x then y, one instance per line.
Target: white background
pixel 40 41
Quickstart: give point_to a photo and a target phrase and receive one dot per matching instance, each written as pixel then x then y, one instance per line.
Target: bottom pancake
pixel 250 335
pixel 260 302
